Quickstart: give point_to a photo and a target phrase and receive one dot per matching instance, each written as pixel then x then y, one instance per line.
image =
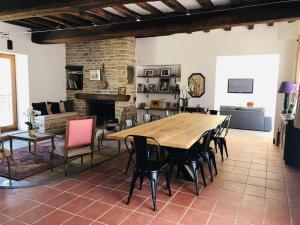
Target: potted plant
pixel 184 93
pixel 31 124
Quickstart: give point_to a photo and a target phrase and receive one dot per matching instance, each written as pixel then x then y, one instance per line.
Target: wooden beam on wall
pixel 21 9
pixel 241 16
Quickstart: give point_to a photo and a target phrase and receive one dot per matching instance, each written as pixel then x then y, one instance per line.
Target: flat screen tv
pixel 240 86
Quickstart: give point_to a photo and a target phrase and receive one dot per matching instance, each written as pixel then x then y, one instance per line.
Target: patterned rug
pixel 24 164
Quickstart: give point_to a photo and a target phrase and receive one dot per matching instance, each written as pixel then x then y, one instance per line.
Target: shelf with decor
pixel 157 88
pixel 74 77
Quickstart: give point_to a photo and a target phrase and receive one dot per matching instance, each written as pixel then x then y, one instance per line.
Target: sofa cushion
pixel 69 105
pixel 41 106
pixel 54 107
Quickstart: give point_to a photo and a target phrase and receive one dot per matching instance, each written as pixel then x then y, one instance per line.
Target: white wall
pixel 40 69
pixel 198 52
pixel 46 64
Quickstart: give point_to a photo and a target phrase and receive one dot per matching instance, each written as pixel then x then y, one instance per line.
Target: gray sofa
pixel 247 118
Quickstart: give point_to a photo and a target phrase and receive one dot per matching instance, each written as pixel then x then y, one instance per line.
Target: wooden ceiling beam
pixel 151 9
pixel 126 11
pixel 44 22
pixel 241 16
pixel 60 21
pixel 21 9
pixel 89 16
pixel 207 4
pixel 105 14
pixel 23 24
pixel 236 2
pixel 72 17
pixel 173 4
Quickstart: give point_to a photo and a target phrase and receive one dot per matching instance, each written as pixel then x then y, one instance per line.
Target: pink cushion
pixel 80 132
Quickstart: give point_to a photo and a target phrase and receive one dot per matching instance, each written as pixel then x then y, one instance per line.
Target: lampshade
pixel 286 87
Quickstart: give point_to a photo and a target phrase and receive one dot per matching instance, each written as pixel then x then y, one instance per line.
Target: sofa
pixel 247 118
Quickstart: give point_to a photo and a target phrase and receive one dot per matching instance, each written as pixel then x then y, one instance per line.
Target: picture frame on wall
pixel 154 104
pixel 121 90
pixel 152 88
pixel 165 72
pixel 95 74
pixel 148 72
pixel 164 85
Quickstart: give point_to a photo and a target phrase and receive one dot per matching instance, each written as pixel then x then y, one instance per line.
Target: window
pixel 8 101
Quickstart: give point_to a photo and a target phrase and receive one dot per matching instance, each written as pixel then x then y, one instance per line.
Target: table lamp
pixel 286 87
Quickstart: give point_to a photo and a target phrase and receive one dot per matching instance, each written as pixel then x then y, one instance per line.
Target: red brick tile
pixel 276 184
pixel 135 202
pixel 66 185
pixel 254 202
pixel 137 218
pixel 81 188
pixel 276 195
pixel 111 218
pixel 78 220
pixel 276 219
pixel 158 221
pixel 261 182
pixel 61 199
pixel 172 213
pixel 195 217
pixel 45 195
pixel 226 210
pixel 255 190
pixel 3 218
pixel 183 199
pixel 76 205
pixel 217 220
pixel 13 222
pixel 275 206
pixel 85 175
pixel 258 173
pixel 57 217
pixel 113 197
pixel 112 183
pixel 35 214
pixel 204 204
pixel 99 179
pixel 147 207
pixel 18 208
pixel 249 215
pixel 97 193
pixel 95 210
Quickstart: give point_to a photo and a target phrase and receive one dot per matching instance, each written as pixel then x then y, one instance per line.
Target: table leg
pixel 35 151
pixel 29 145
pixel 11 147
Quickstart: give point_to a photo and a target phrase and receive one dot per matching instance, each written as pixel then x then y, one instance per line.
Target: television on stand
pixel 241 86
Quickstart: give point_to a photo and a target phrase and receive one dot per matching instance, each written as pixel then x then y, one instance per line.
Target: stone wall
pixel 116 54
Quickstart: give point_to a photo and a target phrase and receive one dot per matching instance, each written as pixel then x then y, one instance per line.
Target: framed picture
pixel 121 90
pixel 165 72
pixel 154 104
pixel 95 74
pixel 152 88
pixel 164 84
pixel 140 88
pixel 148 72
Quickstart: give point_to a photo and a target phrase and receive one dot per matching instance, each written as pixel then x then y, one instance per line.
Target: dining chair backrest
pixel 225 126
pixel 80 131
pixel 205 139
pixel 140 145
pixel 130 123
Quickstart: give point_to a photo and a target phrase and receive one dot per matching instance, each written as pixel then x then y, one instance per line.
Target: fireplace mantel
pixel 102 97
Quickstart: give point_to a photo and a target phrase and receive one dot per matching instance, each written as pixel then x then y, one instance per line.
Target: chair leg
pixel 216 145
pixel 202 174
pixel 141 181
pixel 195 176
pixel 92 158
pixel 66 167
pixel 8 168
pixel 128 163
pixel 208 159
pixel 153 184
pixel 119 147
pixel 225 146
pixel 134 177
pixel 221 148
pixel 168 186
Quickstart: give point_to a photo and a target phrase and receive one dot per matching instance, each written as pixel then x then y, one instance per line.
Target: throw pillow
pixel 69 106
pixel 49 109
pixel 62 107
pixel 54 107
pixel 41 106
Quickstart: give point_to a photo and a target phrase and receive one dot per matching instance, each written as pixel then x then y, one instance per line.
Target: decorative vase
pixel 31 132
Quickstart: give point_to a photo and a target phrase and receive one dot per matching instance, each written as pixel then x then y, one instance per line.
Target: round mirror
pixel 196 84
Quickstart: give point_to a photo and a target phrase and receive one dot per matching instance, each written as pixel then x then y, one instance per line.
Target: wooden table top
pixel 178 131
pixel 26 137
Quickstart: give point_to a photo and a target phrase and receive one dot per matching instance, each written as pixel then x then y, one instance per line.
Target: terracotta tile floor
pixel 253 186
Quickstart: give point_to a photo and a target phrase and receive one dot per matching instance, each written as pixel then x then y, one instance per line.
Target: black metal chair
pixel 220 137
pixel 194 158
pixel 146 167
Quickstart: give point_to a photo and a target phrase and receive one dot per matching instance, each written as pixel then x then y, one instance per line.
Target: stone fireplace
pixel 104 110
pixel 116 55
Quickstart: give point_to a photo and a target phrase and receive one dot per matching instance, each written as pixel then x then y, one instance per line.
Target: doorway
pixel 8 95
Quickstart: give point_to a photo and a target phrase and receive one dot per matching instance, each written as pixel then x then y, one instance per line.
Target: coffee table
pixel 31 139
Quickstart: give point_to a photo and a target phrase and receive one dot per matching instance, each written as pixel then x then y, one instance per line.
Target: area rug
pixel 24 167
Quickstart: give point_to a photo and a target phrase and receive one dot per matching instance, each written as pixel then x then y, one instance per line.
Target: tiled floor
pixel 253 187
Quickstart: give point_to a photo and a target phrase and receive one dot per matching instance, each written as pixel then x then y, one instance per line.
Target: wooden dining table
pixel 179 131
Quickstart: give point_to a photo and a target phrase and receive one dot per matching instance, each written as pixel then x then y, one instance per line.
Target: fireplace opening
pixel 104 110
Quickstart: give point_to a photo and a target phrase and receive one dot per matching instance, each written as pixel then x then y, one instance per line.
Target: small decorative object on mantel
pixel 102 84
pixel 155 104
pixel 148 72
pixel 152 88
pixel 130 74
pixel 165 72
pixel 185 96
pixel 31 123
pixel 121 90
